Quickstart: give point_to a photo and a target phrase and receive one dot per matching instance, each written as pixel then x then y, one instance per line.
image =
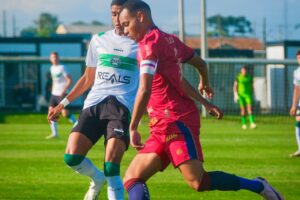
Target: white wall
pixel 275 74
pixel 275 52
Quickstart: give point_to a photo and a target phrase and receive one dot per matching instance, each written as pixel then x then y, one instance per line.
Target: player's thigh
pixel 242 105
pixel 116 139
pixel 78 143
pixel 192 172
pixel 143 166
pixel 85 133
pixel 54 101
pixel 115 149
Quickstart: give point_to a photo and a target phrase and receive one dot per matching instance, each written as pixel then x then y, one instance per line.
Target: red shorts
pixel 176 147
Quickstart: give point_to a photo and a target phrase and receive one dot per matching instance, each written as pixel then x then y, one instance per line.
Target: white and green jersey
pixel 297 76
pixel 59 81
pixel 117 72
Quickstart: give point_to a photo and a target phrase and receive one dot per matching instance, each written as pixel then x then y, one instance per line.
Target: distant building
pixel 71 41
pixel 229 47
pixel 279 77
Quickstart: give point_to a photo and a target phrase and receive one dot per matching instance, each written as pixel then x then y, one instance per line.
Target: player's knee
pixel 195 184
pixel 128 184
pixel 64 114
pixel 111 169
pixel 204 183
pixel 130 174
pixel 73 159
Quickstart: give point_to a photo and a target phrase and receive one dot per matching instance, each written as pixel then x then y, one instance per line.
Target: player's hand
pixel 235 97
pixel 135 140
pixel 205 90
pixel 293 110
pixel 214 111
pixel 54 113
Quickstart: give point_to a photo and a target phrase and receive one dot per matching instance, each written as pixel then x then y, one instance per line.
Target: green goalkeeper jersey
pixel 244 84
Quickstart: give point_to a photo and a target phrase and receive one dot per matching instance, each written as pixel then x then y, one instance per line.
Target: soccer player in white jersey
pixel 113 76
pixel 61 81
pixel 295 109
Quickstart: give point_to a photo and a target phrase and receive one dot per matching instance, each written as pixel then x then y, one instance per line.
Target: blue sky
pixel 165 13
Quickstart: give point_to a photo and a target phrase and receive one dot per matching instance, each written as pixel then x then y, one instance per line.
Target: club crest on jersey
pixel 115 61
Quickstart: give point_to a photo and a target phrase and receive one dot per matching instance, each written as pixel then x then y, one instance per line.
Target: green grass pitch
pixel 32 167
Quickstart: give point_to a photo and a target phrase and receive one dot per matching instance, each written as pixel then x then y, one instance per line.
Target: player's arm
pixel 296 95
pixel 140 104
pixel 235 91
pixel 201 67
pixel 69 82
pixel 192 93
pixel 235 86
pixel 82 85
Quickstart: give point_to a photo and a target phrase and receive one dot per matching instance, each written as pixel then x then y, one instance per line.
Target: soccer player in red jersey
pixel 174 117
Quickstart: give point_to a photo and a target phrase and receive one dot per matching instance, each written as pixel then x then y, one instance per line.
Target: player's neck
pixel 119 32
pixel 150 25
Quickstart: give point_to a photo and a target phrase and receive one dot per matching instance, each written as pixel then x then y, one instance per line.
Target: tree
pixel 29 32
pixel 95 22
pixel 228 26
pixel 44 26
pixel 79 23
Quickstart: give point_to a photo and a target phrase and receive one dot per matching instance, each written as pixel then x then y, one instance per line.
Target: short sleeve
pixel 296 80
pixel 65 70
pixel 148 55
pixel 186 53
pixel 91 57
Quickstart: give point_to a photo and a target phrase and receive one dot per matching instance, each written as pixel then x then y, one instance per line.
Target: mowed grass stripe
pixel 33 168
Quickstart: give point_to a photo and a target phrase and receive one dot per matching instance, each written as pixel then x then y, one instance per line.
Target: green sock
pixel 243 120
pixel 251 118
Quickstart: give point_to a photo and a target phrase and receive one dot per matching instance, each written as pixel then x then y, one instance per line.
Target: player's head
pixel 298 56
pixel 54 58
pixel 116 7
pixel 244 70
pixel 136 19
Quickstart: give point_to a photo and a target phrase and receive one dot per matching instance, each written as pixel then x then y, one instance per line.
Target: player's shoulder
pixel 103 35
pixel 296 71
pixel 152 36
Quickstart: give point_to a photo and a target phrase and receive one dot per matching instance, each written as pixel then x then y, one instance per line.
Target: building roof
pixel 226 43
pixel 82 28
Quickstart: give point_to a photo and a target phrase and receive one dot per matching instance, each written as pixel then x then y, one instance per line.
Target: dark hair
pixel 298 53
pixel 117 2
pixel 136 5
pixel 54 53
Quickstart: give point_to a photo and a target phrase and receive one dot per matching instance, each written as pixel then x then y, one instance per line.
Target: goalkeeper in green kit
pixel 243 90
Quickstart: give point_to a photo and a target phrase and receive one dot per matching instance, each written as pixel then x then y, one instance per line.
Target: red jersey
pixel 161 54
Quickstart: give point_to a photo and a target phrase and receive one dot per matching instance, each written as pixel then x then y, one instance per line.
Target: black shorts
pixel 297 111
pixel 54 100
pixel 109 118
